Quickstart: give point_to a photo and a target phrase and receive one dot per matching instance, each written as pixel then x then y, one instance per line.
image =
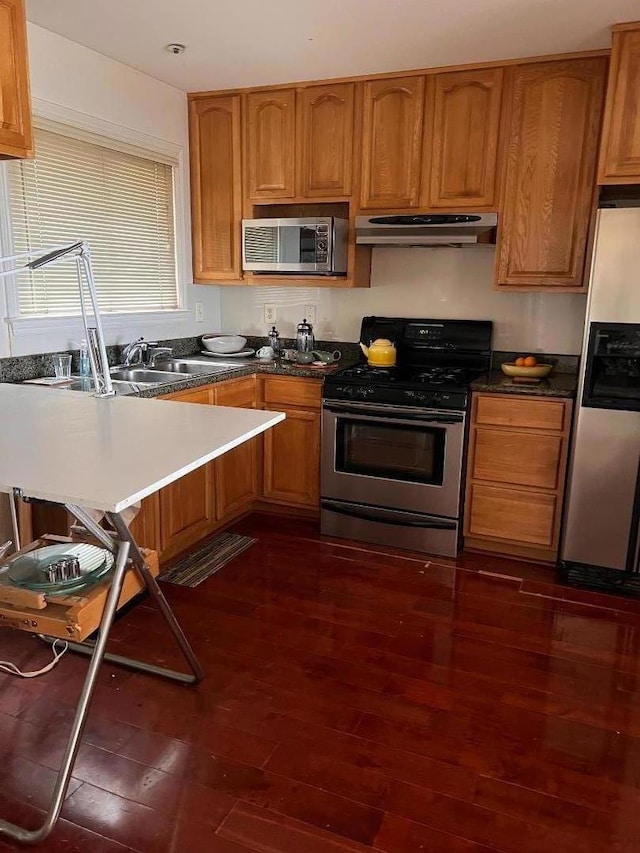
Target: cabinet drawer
pixel 281 390
pixel 501 410
pixel 236 392
pixel 197 395
pixel 510 514
pixel 520 458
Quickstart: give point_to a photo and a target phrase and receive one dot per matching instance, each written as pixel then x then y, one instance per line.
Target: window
pixel 121 203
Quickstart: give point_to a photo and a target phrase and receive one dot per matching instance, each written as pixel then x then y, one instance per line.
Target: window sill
pixel 114 325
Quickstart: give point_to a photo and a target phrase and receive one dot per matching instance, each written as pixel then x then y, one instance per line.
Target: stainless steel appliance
pixel 427 229
pixel 314 245
pixel 393 438
pixel 600 543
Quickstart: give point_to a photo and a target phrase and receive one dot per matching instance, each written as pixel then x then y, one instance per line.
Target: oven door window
pixel 405 452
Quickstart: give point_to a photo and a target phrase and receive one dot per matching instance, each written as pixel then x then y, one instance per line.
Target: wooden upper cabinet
pixel 216 189
pixel 271 143
pixel 461 142
pixel 393 113
pixel 16 138
pixel 548 192
pixel 620 150
pixel 325 138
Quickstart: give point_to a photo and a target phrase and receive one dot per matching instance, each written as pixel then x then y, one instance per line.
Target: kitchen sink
pixel 194 368
pixel 143 375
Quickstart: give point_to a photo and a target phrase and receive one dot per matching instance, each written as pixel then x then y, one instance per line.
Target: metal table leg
pixel 64 774
pixel 156 594
pixel 124 547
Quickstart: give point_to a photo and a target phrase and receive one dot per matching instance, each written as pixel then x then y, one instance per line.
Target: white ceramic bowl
pixel 223 343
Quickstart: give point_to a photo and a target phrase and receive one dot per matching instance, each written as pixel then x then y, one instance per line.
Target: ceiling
pixel 252 42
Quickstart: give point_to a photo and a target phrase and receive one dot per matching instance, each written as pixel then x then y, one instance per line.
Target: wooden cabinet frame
pixel 532 492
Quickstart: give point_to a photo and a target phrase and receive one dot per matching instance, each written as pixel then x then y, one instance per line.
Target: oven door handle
pixel 396 415
pixel 388 516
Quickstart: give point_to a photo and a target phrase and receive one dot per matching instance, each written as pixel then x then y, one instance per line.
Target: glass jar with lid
pixel 305 341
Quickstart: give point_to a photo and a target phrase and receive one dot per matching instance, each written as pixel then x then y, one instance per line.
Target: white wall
pixel 439 283
pixel 86 84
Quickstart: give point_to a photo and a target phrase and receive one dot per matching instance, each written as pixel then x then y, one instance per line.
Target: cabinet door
pixel 292 460
pixel 236 472
pixel 216 188
pixel 145 527
pixel 552 139
pixel 620 151
pixel 392 142
pixel 187 511
pixel 271 144
pixel 15 105
pixel 528 518
pixel 517 458
pixel 462 143
pixel 325 134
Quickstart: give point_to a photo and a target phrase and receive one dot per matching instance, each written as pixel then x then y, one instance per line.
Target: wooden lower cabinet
pixel 145 527
pixel 291 471
pixel 237 472
pixel 292 460
pixel 516 475
pixel 187 510
pixel 187 507
pixel 282 467
pixel 509 514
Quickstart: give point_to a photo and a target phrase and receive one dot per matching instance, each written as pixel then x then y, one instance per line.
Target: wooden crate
pixel 69 617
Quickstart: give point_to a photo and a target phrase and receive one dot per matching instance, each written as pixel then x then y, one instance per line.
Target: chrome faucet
pixel 134 352
pixel 158 354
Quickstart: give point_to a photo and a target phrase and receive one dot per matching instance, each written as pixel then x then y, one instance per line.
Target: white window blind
pixel 121 204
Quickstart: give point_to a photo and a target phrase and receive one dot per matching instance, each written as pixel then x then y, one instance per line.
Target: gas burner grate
pixel 440 376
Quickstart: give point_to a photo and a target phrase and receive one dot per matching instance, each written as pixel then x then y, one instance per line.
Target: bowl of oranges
pixel 527 365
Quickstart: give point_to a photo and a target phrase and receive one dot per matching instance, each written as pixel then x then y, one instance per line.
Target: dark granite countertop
pixel 258 366
pixel 248 368
pixel 555 385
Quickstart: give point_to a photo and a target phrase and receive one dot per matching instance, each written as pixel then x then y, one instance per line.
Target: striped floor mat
pixel 208 559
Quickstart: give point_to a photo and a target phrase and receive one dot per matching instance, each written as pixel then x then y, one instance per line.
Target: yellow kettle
pixel 381 353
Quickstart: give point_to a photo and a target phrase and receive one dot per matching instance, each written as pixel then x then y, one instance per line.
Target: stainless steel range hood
pixel 427 229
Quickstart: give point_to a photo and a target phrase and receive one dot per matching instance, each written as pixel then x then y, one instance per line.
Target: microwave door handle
pixel 391 517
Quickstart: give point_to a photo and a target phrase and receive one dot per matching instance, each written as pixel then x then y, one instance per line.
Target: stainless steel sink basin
pixel 193 368
pixel 143 376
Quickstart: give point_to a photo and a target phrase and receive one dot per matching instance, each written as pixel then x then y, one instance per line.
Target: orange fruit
pixel 530 361
pixel 520 362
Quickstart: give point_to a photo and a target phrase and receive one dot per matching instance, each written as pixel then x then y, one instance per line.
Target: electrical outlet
pixel 270 314
pixel 310 314
pixel 199 312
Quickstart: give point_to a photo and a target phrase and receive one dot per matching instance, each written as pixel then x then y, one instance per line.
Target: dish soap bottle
pixel 84 365
pixel 274 342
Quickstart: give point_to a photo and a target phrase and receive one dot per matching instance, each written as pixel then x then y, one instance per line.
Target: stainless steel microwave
pixel 315 245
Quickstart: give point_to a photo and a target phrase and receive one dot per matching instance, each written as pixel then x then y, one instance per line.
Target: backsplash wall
pixel 424 282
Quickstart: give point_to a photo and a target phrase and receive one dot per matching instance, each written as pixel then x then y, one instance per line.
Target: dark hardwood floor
pixel 354 699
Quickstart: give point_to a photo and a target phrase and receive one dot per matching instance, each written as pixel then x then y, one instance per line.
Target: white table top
pixel 109 453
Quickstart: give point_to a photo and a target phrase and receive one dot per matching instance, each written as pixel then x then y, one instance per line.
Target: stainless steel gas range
pixel 393 439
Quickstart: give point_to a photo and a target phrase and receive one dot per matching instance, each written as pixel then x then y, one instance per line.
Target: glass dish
pixel 29 571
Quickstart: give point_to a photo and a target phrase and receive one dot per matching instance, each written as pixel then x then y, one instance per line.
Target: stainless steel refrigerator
pixel 602 515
